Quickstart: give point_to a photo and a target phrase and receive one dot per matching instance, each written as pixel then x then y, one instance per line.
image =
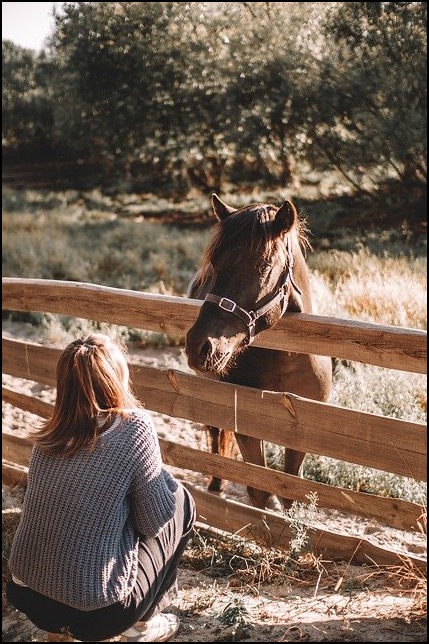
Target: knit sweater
pixel 77 541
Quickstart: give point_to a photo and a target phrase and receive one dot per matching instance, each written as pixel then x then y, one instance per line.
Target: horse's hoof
pixel 258 498
pixel 287 504
pixel 274 504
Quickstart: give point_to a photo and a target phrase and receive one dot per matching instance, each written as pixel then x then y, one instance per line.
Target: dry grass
pixel 249 573
pixel 10 520
pixel 412 581
pixel 249 566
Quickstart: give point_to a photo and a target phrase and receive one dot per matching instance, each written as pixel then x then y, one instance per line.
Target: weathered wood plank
pixel 30 361
pixel 16 449
pixel 371 440
pixel 29 403
pixel 376 441
pixel 270 529
pixel 395 513
pixel 266 528
pixel 386 346
pixel 13 474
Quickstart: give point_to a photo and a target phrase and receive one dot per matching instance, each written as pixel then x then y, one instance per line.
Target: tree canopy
pixel 202 93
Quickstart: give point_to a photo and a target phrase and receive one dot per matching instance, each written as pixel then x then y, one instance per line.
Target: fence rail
pixel 381 345
pixel 371 440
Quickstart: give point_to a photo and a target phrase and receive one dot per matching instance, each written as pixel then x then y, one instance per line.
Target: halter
pixel 249 317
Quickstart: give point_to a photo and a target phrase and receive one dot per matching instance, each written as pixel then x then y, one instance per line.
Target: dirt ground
pixel 369 609
pixel 320 601
pixel 316 601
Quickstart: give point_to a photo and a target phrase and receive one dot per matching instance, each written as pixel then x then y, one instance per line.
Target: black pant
pixel 154 590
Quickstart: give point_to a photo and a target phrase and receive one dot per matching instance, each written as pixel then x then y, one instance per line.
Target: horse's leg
pixel 293 462
pixel 252 450
pixel 213 433
pixel 220 442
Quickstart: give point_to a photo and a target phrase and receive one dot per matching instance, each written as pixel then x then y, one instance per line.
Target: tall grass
pixel 384 286
pixel 137 255
pixel 377 278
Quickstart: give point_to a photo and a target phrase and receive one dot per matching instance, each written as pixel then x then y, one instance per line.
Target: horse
pixel 253 272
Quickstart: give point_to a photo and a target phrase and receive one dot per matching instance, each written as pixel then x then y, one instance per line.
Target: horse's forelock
pixel 250 225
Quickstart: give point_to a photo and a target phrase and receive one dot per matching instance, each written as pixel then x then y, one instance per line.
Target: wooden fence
pixel 370 440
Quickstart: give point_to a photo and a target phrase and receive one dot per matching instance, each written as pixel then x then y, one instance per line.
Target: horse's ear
pixel 286 218
pixel 220 208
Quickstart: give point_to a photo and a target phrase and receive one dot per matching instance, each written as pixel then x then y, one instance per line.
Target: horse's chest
pixel 267 369
pixel 281 371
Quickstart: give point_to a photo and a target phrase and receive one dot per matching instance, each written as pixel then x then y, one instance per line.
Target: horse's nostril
pixel 205 350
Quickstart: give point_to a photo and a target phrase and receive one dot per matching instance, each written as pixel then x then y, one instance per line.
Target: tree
pixel 197 93
pixel 369 120
pixel 119 70
pixel 26 98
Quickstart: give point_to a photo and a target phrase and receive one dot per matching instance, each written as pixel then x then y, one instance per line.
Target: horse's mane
pixel 250 229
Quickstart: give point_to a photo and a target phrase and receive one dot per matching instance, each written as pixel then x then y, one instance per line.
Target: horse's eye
pixel 264 268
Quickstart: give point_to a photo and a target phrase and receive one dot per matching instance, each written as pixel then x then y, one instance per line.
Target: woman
pixel 104 525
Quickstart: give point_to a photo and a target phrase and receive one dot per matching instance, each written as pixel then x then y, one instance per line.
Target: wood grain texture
pixel 371 440
pixel 387 444
pixel 382 345
pixel 391 512
pixel 272 530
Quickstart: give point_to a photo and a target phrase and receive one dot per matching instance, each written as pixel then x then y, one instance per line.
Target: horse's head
pixel 247 280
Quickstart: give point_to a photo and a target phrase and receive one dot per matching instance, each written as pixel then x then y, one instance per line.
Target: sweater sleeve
pixel 153 498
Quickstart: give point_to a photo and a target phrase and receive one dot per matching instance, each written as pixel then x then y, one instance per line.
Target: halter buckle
pixel 227 305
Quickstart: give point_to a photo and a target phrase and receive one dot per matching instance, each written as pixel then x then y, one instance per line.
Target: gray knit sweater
pixel 77 541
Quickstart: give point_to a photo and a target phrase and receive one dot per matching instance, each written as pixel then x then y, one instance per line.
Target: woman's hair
pixel 92 387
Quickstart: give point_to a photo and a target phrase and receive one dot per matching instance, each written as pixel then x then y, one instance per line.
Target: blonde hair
pixel 92 384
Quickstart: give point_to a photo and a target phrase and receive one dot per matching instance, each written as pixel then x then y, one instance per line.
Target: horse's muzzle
pixel 208 355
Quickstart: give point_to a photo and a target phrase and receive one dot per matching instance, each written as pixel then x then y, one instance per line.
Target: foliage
pixel 117 64
pixel 370 116
pixel 364 479
pixel 236 614
pixel 361 288
pixel 27 105
pixel 203 94
pixel 301 516
pixel 139 255
pixel 237 558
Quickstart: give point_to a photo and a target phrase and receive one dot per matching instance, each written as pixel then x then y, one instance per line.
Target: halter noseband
pixel 249 317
